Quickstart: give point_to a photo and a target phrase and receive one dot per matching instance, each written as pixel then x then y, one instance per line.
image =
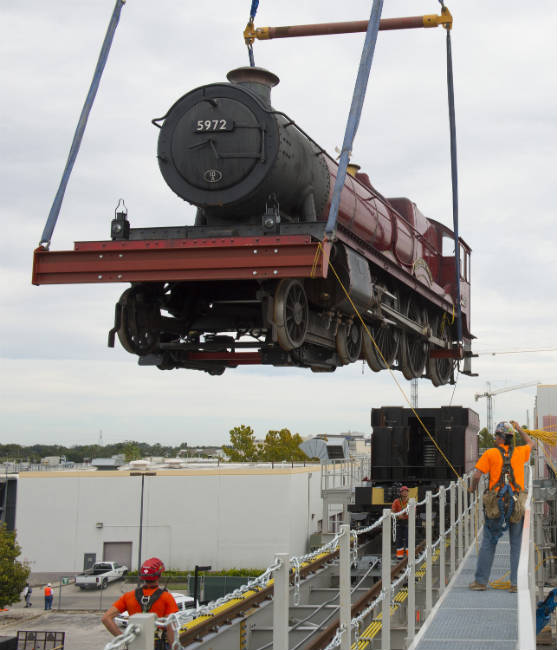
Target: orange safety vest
pixel 48 591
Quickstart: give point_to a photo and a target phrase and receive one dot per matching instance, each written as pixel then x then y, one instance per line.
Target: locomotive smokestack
pixel 259 80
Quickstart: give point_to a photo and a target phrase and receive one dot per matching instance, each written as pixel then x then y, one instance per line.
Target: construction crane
pixel 489 395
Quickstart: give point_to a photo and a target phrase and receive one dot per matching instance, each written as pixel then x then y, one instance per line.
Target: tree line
pixel 278 445
pixel 130 449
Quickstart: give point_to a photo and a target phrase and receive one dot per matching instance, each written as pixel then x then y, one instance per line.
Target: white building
pixel 545 417
pixel 225 517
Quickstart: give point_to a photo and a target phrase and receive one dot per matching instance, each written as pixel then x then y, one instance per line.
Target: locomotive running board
pixel 175 260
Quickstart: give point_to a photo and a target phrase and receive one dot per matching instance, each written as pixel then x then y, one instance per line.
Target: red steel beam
pixel 168 260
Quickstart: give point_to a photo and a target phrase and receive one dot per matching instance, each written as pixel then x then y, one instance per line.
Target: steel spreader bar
pixel 350 27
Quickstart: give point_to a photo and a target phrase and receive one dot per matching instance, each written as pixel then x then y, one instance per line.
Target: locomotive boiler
pixel 255 280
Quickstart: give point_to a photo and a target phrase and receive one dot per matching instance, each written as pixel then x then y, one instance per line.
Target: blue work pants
pixel 493 529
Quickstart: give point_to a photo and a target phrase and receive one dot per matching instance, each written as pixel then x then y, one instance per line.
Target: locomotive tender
pixel 403 454
pixel 250 281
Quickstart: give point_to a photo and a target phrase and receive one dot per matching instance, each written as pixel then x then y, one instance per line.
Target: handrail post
pixel 411 602
pixel 143 640
pixel 442 540
pixel 466 512
pixel 428 557
pixel 344 587
pixel 386 581
pixel 459 525
pixel 453 535
pixel 280 602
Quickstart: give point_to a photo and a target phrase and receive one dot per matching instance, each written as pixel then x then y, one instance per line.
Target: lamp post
pixel 143 475
pixel 196 582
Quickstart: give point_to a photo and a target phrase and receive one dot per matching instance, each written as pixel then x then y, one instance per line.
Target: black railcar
pixel 402 453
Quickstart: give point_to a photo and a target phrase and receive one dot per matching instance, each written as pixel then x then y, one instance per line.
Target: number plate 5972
pixel 204 126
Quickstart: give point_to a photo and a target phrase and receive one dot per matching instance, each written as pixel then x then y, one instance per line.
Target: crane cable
pixel 319 251
pixel 80 128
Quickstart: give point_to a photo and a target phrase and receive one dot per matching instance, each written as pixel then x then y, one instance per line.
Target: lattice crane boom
pixel 489 395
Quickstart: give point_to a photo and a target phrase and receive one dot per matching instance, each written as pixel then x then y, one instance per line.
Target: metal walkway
pixel 473 620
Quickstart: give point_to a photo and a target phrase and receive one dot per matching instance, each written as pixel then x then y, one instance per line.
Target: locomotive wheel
pixel 440 370
pixel 349 342
pixel 136 317
pixel 387 339
pixel 291 314
pixel 413 346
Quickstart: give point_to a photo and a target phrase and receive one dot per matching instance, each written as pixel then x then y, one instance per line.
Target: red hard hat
pixel 151 569
pixel 404 487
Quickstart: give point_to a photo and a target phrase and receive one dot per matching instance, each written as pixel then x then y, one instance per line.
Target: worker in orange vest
pixel 401 522
pixel 48 597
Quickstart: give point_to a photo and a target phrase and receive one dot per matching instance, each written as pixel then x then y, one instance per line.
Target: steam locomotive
pixel 255 280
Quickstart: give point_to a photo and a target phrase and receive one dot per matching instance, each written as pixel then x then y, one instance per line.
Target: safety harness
pixel 147 602
pixel 504 486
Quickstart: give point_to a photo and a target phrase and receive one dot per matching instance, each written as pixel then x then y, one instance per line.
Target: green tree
pixel 131 450
pixel 13 574
pixel 282 445
pixel 486 440
pixel 242 448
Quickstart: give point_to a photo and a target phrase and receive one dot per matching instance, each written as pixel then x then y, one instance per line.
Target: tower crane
pixel 489 395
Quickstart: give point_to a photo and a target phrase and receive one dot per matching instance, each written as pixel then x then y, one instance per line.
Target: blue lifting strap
pixel 80 129
pixel 355 113
pixel 252 12
pixel 454 178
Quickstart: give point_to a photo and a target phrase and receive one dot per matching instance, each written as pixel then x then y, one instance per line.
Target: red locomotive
pixel 251 281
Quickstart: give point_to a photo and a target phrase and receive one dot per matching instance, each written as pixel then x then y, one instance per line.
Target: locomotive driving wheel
pixel 387 339
pixel 414 346
pixel 136 320
pixel 291 314
pixel 349 342
pixel 440 370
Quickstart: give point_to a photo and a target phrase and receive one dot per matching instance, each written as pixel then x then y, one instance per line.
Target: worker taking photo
pixel 504 501
pixel 150 597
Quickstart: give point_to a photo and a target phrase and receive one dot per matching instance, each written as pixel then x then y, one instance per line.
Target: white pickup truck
pixel 100 575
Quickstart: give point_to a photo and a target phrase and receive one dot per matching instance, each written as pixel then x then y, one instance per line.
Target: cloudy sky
pixel 59 381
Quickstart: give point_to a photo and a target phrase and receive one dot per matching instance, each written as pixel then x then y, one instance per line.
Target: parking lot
pixel 75 612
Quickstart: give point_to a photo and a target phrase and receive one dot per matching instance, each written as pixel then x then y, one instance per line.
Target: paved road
pixel 84 630
pixel 75 612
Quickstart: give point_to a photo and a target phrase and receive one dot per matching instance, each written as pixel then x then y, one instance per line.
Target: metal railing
pixel 433 568
pixel 526 578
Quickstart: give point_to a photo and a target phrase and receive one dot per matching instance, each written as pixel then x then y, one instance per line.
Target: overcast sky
pixel 59 381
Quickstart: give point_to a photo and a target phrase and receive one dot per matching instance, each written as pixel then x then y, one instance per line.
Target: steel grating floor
pixel 474 620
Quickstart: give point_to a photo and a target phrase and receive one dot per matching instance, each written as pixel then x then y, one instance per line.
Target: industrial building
pixel 224 516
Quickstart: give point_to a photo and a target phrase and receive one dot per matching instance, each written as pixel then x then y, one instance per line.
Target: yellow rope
pixel 544 436
pixel 388 366
pixel 315 260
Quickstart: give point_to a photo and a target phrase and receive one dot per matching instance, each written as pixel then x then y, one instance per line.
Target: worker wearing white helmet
pixel 503 501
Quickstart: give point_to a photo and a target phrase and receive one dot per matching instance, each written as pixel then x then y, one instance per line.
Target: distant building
pixel 545 417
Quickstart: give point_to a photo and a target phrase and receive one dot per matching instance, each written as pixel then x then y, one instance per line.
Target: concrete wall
pixel 221 517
